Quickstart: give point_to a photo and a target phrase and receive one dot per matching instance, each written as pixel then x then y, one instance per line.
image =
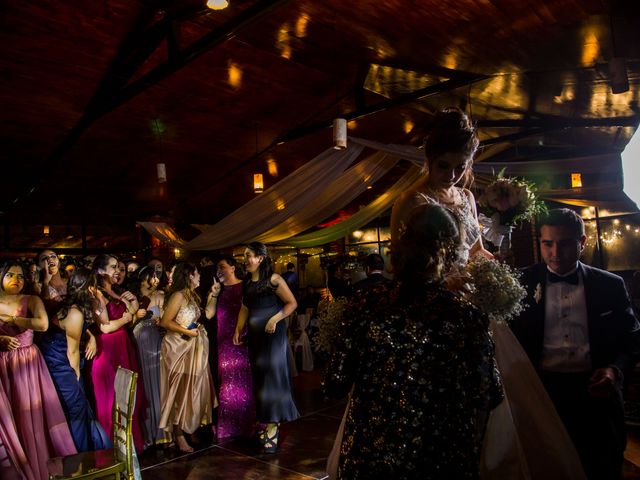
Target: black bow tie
pixel 572 279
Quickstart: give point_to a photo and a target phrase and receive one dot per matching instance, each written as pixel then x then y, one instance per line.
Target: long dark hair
pixel 265 269
pixel 180 281
pixel 78 294
pixel 100 263
pixel 5 269
pixel 142 275
pixel 232 262
pixel 451 131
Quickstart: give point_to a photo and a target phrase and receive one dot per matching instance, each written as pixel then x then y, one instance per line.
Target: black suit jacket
pixel 614 331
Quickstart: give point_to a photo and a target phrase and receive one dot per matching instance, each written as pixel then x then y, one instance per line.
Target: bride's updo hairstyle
pixel 451 131
pixel 428 246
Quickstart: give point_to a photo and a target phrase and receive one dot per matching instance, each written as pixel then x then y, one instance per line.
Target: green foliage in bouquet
pixel 511 200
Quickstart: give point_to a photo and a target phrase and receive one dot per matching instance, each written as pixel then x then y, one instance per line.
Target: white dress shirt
pixel 565 346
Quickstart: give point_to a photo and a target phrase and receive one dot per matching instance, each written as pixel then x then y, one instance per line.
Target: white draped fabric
pixel 357 220
pixel 326 184
pixel 335 196
pixel 279 202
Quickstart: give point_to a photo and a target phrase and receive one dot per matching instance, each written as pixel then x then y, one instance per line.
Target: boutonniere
pixel 537 295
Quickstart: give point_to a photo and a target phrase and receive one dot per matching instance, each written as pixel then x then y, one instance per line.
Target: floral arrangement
pixel 494 288
pixel 330 312
pixel 510 201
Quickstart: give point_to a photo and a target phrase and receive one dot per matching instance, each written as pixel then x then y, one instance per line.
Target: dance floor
pixel 303 454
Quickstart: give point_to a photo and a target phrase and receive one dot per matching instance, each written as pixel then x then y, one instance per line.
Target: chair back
pixel 125 402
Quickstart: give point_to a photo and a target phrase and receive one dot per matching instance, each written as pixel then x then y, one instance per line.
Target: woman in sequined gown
pixel 149 340
pixel 266 302
pixel 421 363
pixel 65 348
pixel 33 427
pixel 186 387
pixel 236 412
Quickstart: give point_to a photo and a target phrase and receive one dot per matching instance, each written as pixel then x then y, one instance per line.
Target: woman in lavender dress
pixel 236 413
pixel 149 341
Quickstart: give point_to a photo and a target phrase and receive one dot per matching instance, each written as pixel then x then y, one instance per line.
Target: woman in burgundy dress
pixel 236 413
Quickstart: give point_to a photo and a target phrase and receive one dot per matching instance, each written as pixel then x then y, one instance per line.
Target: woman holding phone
pixel 187 396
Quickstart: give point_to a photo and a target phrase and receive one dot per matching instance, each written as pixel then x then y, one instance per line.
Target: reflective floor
pixel 305 445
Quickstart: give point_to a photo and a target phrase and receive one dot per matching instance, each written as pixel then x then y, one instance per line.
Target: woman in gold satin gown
pixel 187 396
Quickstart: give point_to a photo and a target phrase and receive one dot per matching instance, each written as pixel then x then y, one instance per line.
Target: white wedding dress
pixel 525 438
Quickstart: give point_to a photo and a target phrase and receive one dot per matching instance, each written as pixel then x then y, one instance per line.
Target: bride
pixel 525 437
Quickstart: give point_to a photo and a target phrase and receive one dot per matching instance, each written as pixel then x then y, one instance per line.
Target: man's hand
pixel 602 382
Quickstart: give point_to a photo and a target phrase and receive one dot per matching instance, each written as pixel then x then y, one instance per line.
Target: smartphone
pixel 190 327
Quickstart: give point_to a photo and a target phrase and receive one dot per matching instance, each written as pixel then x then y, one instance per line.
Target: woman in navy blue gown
pixel 62 347
pixel 267 301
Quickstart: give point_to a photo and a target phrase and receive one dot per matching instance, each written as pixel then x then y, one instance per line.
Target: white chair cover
pixel 303 342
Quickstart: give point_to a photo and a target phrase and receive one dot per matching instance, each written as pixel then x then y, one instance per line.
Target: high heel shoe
pixel 270 443
pixel 182 445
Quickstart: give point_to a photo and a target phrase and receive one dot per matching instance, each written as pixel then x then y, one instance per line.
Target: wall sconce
pixel 45 230
pixel 161 172
pixel 339 134
pixel 258 183
pixel 576 180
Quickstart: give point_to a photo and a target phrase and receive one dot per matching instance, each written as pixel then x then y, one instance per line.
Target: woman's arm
pixel 289 301
pixel 116 324
pixel 171 312
pixel 477 247
pixel 242 321
pixel 73 329
pixel 212 300
pixel 39 322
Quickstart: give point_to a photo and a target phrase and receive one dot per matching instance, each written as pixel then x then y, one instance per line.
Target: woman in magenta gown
pixel 236 413
pixel 115 348
pixel 33 427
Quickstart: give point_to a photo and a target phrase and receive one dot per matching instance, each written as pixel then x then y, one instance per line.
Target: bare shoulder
pixel 276 279
pixel 468 193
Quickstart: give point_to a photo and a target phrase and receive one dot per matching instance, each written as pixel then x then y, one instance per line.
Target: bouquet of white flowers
pixel 494 288
pixel 510 200
pixel 330 312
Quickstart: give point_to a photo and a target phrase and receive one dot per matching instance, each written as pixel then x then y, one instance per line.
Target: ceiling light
pixel 217 4
pixel 339 134
pixel 258 183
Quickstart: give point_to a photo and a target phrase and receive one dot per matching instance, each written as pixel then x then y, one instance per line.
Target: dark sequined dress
pixel 422 365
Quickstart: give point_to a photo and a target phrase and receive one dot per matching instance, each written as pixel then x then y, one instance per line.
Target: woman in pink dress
pixel 115 347
pixel 32 422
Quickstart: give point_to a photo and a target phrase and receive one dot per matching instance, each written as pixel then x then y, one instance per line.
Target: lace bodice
pixel 464 212
pixel 188 314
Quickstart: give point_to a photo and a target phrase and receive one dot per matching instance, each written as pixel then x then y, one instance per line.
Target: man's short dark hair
pixel 374 261
pixel 563 217
pixel 290 266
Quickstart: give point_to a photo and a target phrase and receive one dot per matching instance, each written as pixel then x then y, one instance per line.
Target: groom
pixel 580 333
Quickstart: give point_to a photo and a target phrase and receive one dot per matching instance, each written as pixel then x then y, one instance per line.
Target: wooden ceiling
pixel 94 94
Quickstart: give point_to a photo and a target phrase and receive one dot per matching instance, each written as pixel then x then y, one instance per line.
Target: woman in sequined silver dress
pixel 421 363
